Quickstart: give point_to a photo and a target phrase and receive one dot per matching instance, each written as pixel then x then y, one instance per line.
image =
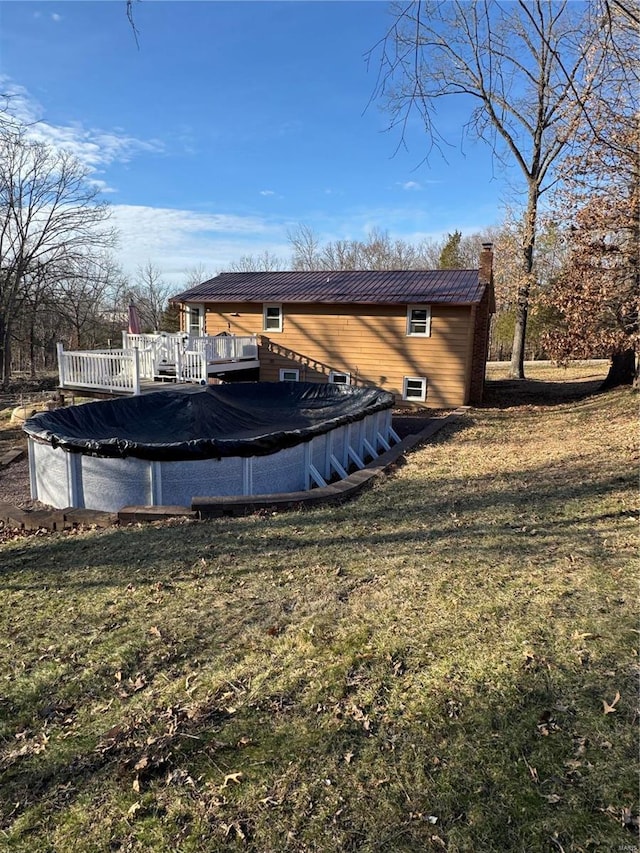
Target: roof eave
pixel 214 300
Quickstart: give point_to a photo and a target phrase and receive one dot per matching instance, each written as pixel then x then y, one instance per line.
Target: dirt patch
pixel 409 424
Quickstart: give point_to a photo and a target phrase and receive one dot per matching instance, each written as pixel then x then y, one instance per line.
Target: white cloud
pixel 94 147
pixel 411 185
pixel 55 17
pixel 176 241
pixel 267 192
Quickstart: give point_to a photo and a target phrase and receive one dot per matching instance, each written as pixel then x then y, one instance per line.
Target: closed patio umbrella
pixel 134 321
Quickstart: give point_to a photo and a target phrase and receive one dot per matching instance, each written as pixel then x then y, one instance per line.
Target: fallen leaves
pixel 610 708
pixel 134 809
pixel 234 778
pixel 360 717
pixel 30 746
pixel 234 828
pixel 547 724
pixel 125 689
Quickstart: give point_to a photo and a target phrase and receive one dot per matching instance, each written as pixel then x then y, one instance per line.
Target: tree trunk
pixel 524 290
pixel 5 346
pixel 519 334
pixel 5 354
pixel 623 370
pixel 32 347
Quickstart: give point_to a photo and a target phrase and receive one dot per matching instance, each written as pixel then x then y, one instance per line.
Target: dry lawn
pixel 447 663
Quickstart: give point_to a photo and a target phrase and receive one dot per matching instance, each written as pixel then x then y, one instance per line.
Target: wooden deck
pixel 149 362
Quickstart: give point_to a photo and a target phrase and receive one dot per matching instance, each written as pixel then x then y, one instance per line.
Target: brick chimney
pixel 482 319
pixel 486 263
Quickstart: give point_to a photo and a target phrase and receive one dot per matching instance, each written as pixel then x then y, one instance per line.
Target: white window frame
pixel 405 389
pixel 285 370
pixel 410 321
pixel 265 312
pixel 191 309
pixel 335 373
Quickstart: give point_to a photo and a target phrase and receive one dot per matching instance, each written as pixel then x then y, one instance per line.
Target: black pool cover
pixel 240 419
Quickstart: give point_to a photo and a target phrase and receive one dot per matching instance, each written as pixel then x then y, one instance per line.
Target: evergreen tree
pixel 451 256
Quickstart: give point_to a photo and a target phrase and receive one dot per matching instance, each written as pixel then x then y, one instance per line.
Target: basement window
pixel 272 318
pixel 419 321
pixel 338 378
pixel 289 375
pixel 414 388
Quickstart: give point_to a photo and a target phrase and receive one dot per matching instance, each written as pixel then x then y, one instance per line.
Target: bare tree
pixel 49 214
pixel 305 245
pixel 196 275
pixel 150 294
pixel 377 252
pixel 524 68
pixel 80 295
pixel 265 262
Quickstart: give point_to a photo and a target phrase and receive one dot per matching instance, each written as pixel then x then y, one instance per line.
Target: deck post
pixel 136 371
pixel 178 352
pixel 61 371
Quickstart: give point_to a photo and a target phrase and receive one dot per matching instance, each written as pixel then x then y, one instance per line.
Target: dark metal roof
pixel 454 287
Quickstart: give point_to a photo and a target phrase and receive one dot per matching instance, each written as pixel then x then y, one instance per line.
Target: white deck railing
pixel 226 347
pixel 163 346
pixel 217 348
pixel 191 366
pixel 102 370
pixel 146 357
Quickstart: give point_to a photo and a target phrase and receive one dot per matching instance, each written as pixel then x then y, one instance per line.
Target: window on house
pixel 419 320
pixel 272 318
pixel 414 388
pixel 338 378
pixel 195 320
pixel 289 375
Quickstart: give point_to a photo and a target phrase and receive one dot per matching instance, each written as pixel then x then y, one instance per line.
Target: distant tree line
pixel 455 251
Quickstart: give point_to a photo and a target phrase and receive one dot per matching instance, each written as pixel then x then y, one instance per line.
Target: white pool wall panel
pixel 279 472
pixel 181 481
pixel 109 481
pixel 49 465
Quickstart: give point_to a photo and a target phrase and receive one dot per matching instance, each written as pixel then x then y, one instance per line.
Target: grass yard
pixel 447 663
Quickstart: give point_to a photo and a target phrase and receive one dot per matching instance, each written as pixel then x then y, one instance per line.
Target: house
pixel 422 335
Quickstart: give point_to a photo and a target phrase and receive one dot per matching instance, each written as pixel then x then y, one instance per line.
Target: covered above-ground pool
pixel 167 447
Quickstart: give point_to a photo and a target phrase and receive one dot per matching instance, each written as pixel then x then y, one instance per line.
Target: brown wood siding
pixel 369 342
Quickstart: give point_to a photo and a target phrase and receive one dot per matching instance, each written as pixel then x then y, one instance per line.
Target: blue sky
pixel 232 123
